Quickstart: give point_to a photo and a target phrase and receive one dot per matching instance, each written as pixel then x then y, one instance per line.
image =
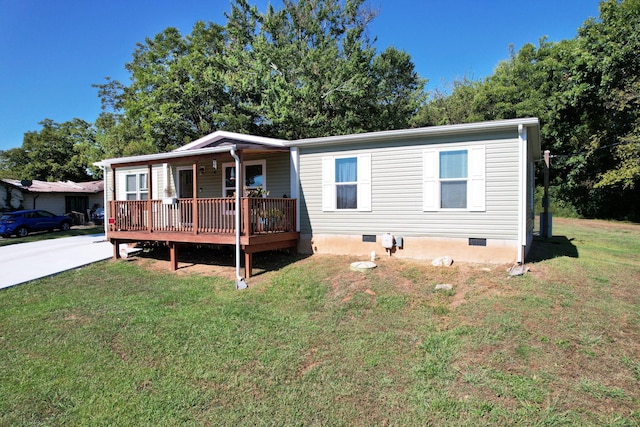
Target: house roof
pixel 35 186
pixel 221 141
pixel 531 123
pixel 221 137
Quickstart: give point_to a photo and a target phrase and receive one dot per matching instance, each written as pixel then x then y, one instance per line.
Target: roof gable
pixel 222 138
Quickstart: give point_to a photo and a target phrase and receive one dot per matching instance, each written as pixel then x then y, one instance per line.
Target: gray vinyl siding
pixel 396 179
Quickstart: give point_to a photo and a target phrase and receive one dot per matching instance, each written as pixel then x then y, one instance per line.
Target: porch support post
pixel 149 197
pixel 194 211
pixel 173 255
pixel 248 264
pixel 116 252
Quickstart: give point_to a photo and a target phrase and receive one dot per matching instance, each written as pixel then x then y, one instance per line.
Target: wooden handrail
pixel 205 215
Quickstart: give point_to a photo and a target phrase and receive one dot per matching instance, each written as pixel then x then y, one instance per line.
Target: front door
pixel 185 184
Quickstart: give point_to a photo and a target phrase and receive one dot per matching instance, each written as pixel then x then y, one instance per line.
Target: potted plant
pixel 256 192
pixel 271 219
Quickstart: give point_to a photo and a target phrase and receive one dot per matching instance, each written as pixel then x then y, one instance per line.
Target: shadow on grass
pixel 223 256
pixel 553 247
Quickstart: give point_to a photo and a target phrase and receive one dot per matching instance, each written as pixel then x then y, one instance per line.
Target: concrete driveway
pixel 24 262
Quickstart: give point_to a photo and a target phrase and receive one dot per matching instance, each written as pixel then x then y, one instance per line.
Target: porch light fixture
pixel 201 170
pixel 214 164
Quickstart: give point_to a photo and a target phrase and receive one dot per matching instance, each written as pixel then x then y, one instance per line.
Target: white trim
pixel 476 175
pixel 430 182
pixel 364 182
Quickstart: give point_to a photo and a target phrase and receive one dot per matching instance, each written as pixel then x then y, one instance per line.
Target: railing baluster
pixel 215 215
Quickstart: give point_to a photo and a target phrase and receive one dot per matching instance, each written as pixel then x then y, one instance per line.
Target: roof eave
pixel 417 132
pixel 159 157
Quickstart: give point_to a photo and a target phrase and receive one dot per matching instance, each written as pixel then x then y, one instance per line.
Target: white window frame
pixel 329 185
pixel 262 162
pixel 476 179
pixel 142 185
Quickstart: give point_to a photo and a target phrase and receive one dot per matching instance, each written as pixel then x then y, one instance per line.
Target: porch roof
pixel 211 144
pixel 163 157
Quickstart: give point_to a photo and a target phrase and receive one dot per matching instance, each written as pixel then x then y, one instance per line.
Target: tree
pixel 58 152
pixel 306 70
pixel 586 92
pixel 450 107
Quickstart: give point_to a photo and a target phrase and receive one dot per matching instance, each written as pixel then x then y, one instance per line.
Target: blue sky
pixel 52 51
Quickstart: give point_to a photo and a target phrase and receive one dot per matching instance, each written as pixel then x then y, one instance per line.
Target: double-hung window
pixel 137 187
pixel 454 179
pixel 346 183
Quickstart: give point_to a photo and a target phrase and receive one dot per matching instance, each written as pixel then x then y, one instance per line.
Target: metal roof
pixel 35 186
pixel 226 141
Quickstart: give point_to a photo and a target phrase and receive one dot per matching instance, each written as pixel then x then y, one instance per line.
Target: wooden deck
pixel 266 224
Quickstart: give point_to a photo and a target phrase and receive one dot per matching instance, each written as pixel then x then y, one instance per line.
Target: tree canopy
pixel 586 92
pixel 306 70
pixel 311 69
pixel 58 152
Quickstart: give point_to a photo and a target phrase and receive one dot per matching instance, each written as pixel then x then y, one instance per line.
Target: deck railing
pixel 211 215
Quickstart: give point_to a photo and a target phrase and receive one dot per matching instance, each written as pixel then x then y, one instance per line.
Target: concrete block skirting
pixel 495 252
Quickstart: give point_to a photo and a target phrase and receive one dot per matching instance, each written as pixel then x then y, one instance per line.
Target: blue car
pixel 22 223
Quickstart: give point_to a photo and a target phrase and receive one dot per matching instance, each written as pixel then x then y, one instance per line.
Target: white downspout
pixel 294 183
pixel 240 283
pixel 522 193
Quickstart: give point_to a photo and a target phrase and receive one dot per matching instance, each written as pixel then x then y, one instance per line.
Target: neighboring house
pixel 56 197
pixel 465 191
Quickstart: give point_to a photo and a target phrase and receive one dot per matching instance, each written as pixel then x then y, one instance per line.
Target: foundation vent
pixel 369 238
pixel 477 242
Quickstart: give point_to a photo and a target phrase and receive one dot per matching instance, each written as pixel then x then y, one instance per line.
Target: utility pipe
pixel 240 283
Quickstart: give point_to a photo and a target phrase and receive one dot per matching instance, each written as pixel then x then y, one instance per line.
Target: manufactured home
pixel 465 191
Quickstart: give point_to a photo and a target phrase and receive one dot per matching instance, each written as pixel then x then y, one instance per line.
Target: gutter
pixel 240 283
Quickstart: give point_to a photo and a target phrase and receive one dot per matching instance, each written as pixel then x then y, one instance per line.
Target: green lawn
pixel 313 343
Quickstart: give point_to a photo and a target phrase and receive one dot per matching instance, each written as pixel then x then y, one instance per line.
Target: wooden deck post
pixel 248 264
pixel 116 252
pixel 173 255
